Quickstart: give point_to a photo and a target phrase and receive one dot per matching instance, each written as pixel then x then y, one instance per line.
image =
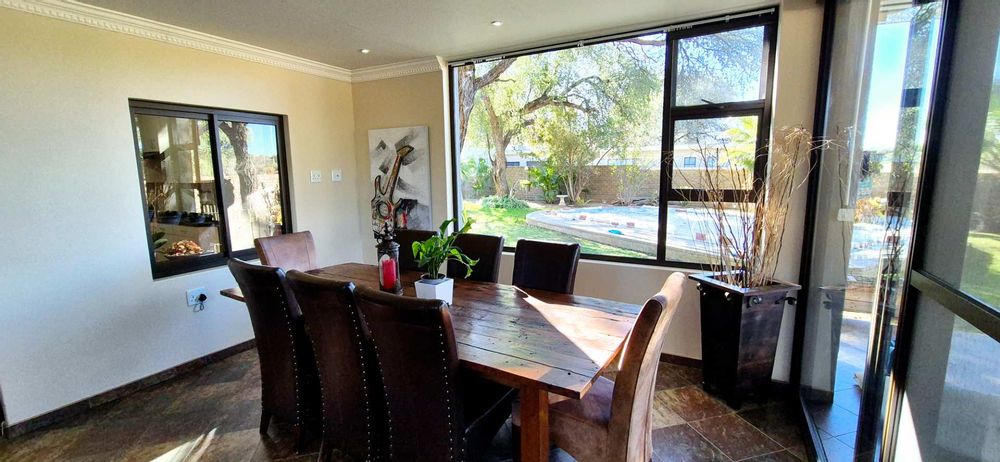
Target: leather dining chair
pixel 289 388
pixel 435 410
pixel 547 266
pixel 346 364
pixel 405 238
pixel 485 248
pixel 614 422
pixel 288 251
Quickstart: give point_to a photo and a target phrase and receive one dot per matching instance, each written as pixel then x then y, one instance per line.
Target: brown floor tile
pixel 836 451
pixel 735 437
pixel 835 420
pixel 213 413
pixel 692 403
pixel 780 422
pixel 672 376
pixel 780 456
pixel 682 443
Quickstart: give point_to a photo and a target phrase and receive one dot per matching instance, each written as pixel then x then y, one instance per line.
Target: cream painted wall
pixel 400 102
pixel 415 100
pixel 79 312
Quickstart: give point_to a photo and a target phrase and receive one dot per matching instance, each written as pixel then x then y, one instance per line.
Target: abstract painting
pixel 401 174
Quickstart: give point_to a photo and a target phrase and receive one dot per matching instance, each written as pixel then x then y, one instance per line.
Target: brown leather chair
pixel 405 238
pixel 436 411
pixel 289 386
pixel 614 421
pixel 288 251
pixel 547 266
pixel 348 375
pixel 485 248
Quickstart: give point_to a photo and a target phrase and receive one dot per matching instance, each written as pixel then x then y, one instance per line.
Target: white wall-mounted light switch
pixel 315 176
pixel 336 175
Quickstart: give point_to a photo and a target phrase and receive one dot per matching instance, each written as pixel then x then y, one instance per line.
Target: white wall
pixel 79 311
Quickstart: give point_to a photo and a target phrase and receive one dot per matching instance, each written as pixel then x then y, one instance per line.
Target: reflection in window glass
pixel 981 271
pixel 692 233
pixel 952 397
pixel 179 182
pixel 721 68
pixel 251 186
pixel 725 147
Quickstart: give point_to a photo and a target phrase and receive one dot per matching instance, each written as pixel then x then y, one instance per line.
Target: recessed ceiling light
pixel 365 51
pixel 497 23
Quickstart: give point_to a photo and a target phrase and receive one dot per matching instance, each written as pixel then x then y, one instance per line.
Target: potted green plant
pixel 434 252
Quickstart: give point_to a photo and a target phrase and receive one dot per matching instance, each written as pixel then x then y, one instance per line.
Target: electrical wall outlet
pixel 336 175
pixel 194 294
pixel 315 176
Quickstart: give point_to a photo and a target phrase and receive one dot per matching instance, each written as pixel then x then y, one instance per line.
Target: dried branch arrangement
pixel 748 223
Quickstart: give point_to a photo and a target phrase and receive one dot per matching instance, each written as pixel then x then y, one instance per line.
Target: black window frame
pixel 766 18
pixel 213 116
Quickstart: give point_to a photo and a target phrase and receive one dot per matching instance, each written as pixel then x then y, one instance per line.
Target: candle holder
pixel 388 267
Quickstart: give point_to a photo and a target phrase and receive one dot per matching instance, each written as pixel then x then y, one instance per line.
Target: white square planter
pixel 440 289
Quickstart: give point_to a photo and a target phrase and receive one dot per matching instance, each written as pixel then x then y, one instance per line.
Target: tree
pixel 238 135
pixel 469 84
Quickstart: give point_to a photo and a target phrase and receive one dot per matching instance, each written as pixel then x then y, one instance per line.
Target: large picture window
pixel 611 142
pixel 212 181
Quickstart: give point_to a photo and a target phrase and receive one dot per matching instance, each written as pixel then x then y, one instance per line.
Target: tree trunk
pixel 498 159
pixel 237 134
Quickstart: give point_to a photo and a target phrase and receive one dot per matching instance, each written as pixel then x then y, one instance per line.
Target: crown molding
pixel 102 18
pixel 402 69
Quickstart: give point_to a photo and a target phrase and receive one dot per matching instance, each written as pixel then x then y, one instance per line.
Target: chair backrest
pixel 288 251
pixel 485 248
pixel 418 362
pixel 274 315
pixel 405 238
pixel 631 407
pixel 545 265
pixel 345 362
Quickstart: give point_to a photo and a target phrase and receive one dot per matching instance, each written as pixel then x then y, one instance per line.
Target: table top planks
pixel 557 342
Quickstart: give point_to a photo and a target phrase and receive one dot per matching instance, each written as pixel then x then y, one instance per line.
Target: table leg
pixel 534 425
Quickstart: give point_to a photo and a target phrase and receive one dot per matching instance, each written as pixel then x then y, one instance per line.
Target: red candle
pixel 388 274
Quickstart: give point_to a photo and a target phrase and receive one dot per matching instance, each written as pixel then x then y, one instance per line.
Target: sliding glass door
pixel 882 66
pixel 945 389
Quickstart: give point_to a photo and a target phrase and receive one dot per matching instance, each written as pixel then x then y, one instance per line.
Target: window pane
pixel 179 181
pixel 721 68
pixel 952 400
pixel 565 145
pixel 251 186
pixel 714 153
pixel 692 233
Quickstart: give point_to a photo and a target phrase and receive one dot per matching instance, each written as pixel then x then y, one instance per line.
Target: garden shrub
pixel 502 202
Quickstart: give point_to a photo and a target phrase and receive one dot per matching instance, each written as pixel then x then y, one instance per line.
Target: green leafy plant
pixel 503 202
pixel 159 240
pixel 438 249
pixel 478 174
pixel 546 178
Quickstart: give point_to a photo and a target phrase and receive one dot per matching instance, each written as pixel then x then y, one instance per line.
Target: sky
pixel 885 92
pixel 262 141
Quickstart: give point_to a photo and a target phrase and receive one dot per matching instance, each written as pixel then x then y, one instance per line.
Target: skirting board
pixel 84 405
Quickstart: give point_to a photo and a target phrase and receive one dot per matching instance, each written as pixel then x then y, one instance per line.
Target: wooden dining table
pixel 536 341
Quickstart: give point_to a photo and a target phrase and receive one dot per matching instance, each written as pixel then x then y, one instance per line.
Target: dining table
pixel 536 341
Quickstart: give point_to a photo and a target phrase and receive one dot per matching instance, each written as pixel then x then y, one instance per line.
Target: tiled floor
pixel 213 413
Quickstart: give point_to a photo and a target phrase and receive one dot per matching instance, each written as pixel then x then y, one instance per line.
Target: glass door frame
pixel 919 279
pixel 912 279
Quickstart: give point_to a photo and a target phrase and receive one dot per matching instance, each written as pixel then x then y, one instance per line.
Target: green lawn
pixel 981 274
pixel 510 224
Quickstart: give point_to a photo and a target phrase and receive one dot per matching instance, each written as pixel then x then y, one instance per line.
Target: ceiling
pixel 333 31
